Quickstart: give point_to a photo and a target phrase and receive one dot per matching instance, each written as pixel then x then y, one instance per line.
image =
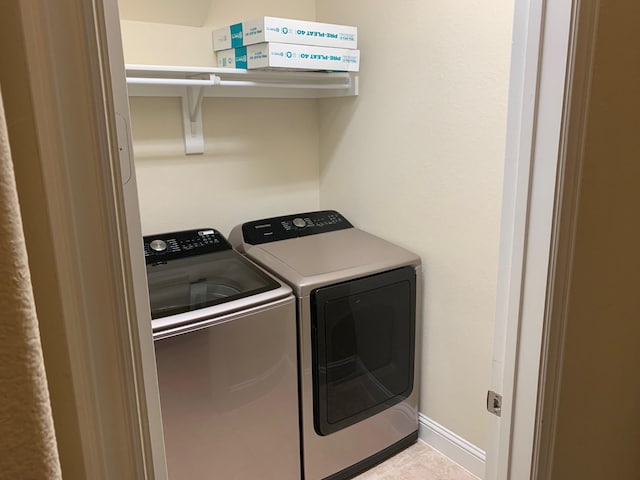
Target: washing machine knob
pixel 299 222
pixel 158 245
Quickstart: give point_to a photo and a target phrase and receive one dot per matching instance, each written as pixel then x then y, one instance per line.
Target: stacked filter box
pixel 283 43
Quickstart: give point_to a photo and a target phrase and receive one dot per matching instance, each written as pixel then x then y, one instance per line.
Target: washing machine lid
pixel 318 253
pixel 196 274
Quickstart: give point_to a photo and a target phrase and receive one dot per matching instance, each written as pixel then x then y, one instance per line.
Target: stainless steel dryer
pixel 358 323
pixel 225 340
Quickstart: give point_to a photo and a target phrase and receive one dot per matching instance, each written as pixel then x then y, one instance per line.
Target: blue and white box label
pixel 285 30
pixel 290 56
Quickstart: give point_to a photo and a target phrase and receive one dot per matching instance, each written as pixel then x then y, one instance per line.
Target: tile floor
pixel 418 462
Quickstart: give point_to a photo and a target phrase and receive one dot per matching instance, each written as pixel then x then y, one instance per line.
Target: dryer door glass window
pixel 363 347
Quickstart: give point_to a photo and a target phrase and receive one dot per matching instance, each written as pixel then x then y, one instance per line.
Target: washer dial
pixel 158 245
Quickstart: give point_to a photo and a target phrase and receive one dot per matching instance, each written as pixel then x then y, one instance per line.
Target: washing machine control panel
pixel 186 243
pixel 293 226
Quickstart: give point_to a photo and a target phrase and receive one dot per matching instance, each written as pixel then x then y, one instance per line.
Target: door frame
pixel 547 119
pixel 63 112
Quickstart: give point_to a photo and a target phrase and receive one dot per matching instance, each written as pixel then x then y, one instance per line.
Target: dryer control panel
pixel 293 226
pixel 170 246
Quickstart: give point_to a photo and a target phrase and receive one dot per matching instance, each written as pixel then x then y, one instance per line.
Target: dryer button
pixel 299 222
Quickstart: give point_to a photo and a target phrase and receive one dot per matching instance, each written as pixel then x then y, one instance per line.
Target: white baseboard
pixel 462 452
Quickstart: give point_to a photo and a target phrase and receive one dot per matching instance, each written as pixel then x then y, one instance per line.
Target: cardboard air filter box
pixel 285 30
pixel 290 56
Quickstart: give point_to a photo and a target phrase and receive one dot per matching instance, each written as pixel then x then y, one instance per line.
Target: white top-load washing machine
pixel 225 339
pixel 358 303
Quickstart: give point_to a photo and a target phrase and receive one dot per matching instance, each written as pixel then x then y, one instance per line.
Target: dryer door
pixel 363 337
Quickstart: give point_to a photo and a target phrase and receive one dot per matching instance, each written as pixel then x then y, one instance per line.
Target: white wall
pixel 418 159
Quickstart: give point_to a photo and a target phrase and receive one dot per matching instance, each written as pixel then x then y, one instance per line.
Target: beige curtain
pixel 27 439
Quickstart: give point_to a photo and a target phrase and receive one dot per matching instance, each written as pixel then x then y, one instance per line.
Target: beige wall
pixel 599 412
pixel 178 32
pixel 261 155
pixel 261 159
pixel 165 44
pixel 418 159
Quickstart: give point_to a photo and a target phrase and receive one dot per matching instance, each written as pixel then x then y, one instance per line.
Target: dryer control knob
pixel 158 245
pixel 299 222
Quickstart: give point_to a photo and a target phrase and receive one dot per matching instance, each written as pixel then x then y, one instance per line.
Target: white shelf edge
pixel 150 80
pixel 198 82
